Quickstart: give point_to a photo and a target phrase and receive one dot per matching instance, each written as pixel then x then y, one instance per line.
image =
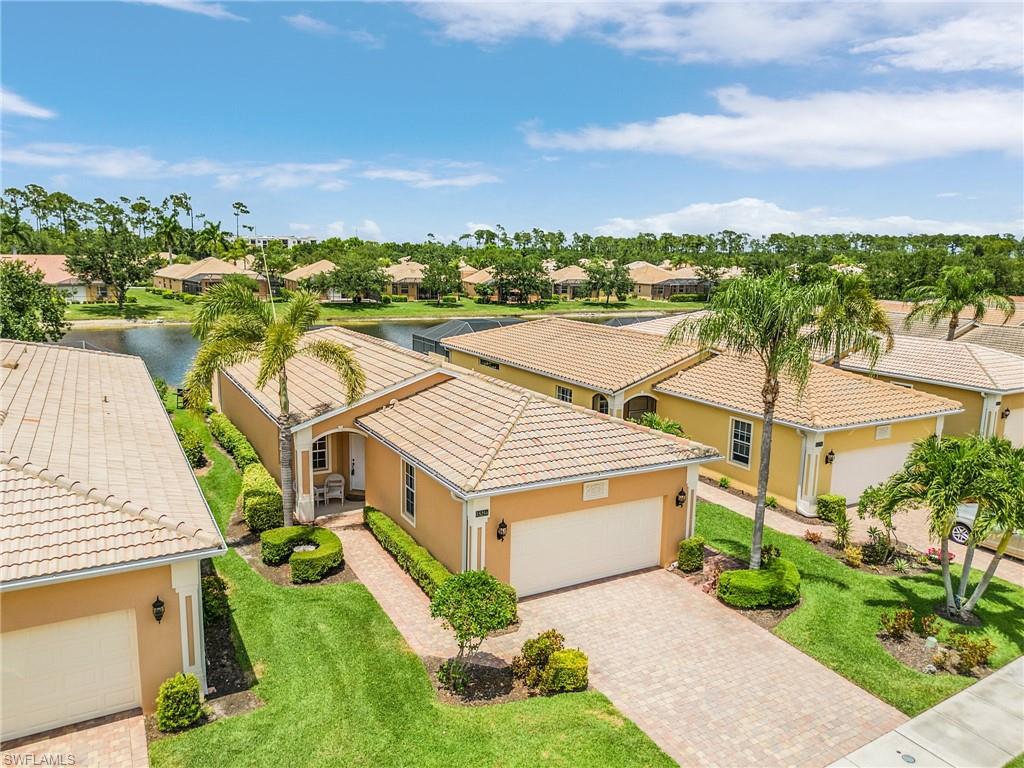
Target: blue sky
pixel 395 120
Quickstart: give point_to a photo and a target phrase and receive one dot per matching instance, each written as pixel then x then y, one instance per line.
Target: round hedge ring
pixel 312 552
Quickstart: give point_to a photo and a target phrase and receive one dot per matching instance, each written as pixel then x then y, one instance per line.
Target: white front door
pixel 575 547
pixel 357 462
pixel 853 471
pixel 66 672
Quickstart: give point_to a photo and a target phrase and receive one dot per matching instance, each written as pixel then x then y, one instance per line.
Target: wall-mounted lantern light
pixel 1006 413
pixel 502 530
pixel 681 498
pixel 158 610
pixel 830 457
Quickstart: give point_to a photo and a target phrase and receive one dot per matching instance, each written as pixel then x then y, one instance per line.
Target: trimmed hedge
pixel 233 441
pixel 262 504
pixel 566 671
pixel 686 297
pixel 831 507
pixel 215 598
pixel 691 554
pixel 178 703
pixel 192 445
pixel 777 586
pixel 278 545
pixel 414 559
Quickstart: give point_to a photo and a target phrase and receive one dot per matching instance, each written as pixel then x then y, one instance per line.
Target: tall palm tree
pixel 766 318
pixel 239 209
pixel 234 327
pixel 957 290
pixel 168 234
pixel 851 320
pixel 212 240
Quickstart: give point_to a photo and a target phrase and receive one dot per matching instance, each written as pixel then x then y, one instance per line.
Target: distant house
pixel 56 275
pixel 293 279
pixel 430 340
pixel 474 280
pixel 406 279
pixel 288 241
pixel 200 276
pixel 645 277
pixel 570 282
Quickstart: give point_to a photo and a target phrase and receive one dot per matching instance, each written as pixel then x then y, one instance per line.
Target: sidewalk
pixel 980 727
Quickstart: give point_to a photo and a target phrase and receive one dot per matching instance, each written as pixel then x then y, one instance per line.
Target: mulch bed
pixel 487 685
pixel 911 652
pixel 907 553
pixel 790 513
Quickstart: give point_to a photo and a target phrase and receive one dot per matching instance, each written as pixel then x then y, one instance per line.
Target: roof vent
pixel 11 361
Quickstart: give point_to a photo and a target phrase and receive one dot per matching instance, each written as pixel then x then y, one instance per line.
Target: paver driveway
pixel 710 687
pixel 116 741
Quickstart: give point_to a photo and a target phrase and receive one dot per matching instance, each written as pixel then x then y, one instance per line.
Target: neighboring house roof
pixel 924 329
pixel 570 274
pixel 648 274
pixel 958 364
pixel 477 435
pixel 480 276
pixel 53 266
pixel 309 270
pixel 1005 338
pixel 618 322
pixel 467 269
pixel 314 388
pixel 91 473
pixel 468 325
pixel 832 399
pixel 592 355
pixel 405 272
pixel 660 326
pixel 211 265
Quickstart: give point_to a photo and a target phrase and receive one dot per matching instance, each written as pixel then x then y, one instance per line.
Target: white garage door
pixel 1014 429
pixel 67 672
pixel 853 471
pixel 561 550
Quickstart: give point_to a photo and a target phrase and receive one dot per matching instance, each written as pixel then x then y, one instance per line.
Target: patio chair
pixel 334 488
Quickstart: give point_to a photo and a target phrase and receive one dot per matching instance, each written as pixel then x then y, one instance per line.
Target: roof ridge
pixel 369 339
pixel 484 464
pixel 972 350
pixel 111 501
pixel 62 347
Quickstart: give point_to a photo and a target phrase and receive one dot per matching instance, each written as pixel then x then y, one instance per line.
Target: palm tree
pixel 211 239
pixel 851 320
pixel 239 210
pixel 954 291
pixel 234 327
pixel 764 317
pixel 168 234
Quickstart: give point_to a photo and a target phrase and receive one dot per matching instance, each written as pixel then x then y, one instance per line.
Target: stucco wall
pixel 257 426
pixel 159 644
pixel 865 437
pixel 965 423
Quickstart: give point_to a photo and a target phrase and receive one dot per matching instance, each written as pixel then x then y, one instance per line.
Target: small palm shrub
pixel 771 502
pixel 842 530
pixel 901 565
pixel 691 554
pixel 179 704
pixel 724 482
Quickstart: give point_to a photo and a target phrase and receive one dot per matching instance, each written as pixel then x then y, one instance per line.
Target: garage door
pixel 67 672
pixel 853 471
pixel 561 550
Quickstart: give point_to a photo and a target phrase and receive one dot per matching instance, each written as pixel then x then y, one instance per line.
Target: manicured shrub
pixel 278 545
pixel 777 586
pixel 724 482
pixel 566 671
pixel 178 703
pixel 853 556
pixel 399 299
pixel 897 624
pixel 831 506
pixel 232 440
pixel 262 504
pixel 690 558
pixel 685 297
pixel 415 560
pixel 971 651
pixel 215 598
pixel 529 665
pixel 192 445
pixel 814 537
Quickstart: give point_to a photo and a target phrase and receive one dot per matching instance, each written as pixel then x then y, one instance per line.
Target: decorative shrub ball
pixel 777 586
pixel 566 671
pixel 179 703
pixel 691 554
pixel 530 664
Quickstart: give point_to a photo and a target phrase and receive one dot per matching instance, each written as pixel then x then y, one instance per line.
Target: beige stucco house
pixel 406 279
pixel 56 275
pixel 482 473
pixel 200 276
pixel 293 279
pixel 101 523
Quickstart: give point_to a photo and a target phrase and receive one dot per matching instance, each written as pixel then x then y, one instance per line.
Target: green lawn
pixel 342 688
pixel 147 307
pixel 838 619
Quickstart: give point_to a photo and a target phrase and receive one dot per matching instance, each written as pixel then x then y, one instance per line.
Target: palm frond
pixel 211 357
pixel 227 298
pixel 343 361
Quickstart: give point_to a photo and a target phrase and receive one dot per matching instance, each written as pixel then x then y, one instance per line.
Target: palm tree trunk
pixel 947 580
pixel 285 451
pixel 954 321
pixel 837 355
pixel 770 393
pixel 965 574
pixel 989 573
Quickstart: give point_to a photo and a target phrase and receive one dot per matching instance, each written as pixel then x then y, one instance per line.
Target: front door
pixel 357 462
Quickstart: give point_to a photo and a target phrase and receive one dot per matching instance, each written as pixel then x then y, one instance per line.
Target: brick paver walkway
pixel 710 687
pixel 117 741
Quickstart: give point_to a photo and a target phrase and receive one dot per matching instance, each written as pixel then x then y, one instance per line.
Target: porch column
pixel 692 481
pixel 615 404
pixel 478 512
pixel 807 482
pixel 305 509
pixel 989 414
pixel 185 582
pixel 940 422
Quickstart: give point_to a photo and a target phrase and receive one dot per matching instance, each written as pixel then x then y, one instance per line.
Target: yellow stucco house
pixel 483 473
pixel 293 279
pixel 199 276
pixel 102 528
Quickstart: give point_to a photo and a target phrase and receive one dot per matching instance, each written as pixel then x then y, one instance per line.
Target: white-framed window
pixel 321 455
pixel 489 363
pixel 409 492
pixel 563 393
pixel 600 403
pixel 741 437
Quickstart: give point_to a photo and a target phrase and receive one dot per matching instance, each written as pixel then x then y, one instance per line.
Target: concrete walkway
pixel 911 528
pixel 980 727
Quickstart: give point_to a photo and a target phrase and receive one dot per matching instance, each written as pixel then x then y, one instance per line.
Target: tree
pixel 851 320
pixel 233 326
pixel 765 318
pixel 212 240
pixel 441 275
pixel 956 290
pixel 29 309
pixel 239 210
pixel 359 274
pixel 519 275
pixel 168 234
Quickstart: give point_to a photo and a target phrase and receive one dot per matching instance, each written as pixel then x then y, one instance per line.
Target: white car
pixel 961 532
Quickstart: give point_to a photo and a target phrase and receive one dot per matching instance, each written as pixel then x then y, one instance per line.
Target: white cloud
pixel 299 227
pixel 211 10
pixel 306 23
pixel 473 226
pixel 427 180
pixel 987 38
pixel 336 228
pixel 947 194
pixel 13 104
pixel 761 217
pixel 851 129
pixel 368 229
pixel 279 176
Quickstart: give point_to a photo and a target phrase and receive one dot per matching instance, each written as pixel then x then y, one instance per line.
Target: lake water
pixel 168 349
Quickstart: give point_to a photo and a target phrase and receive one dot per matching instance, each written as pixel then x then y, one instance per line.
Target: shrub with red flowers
pixel 935 554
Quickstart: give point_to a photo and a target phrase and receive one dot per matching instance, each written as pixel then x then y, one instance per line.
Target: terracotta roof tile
pixel 572 273
pixel 309 270
pixel 1005 338
pixel 211 265
pixel 52 265
pixel 405 272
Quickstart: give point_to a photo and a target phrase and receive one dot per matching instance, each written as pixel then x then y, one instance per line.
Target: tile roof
pixel 589 354
pixel 314 388
pixel 480 435
pixel 922 328
pixel 648 274
pixel 53 266
pixel 480 276
pixel 956 363
pixel 1006 338
pixel 91 472
pixel 832 399
pixel 660 326
pixel 211 265
pixel 405 272
pixel 571 273
pixel 309 270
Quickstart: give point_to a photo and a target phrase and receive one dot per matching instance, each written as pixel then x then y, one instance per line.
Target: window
pixel 489 364
pixel 600 403
pixel 740 441
pixel 564 394
pixel 640 405
pixel 321 459
pixel 409 495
